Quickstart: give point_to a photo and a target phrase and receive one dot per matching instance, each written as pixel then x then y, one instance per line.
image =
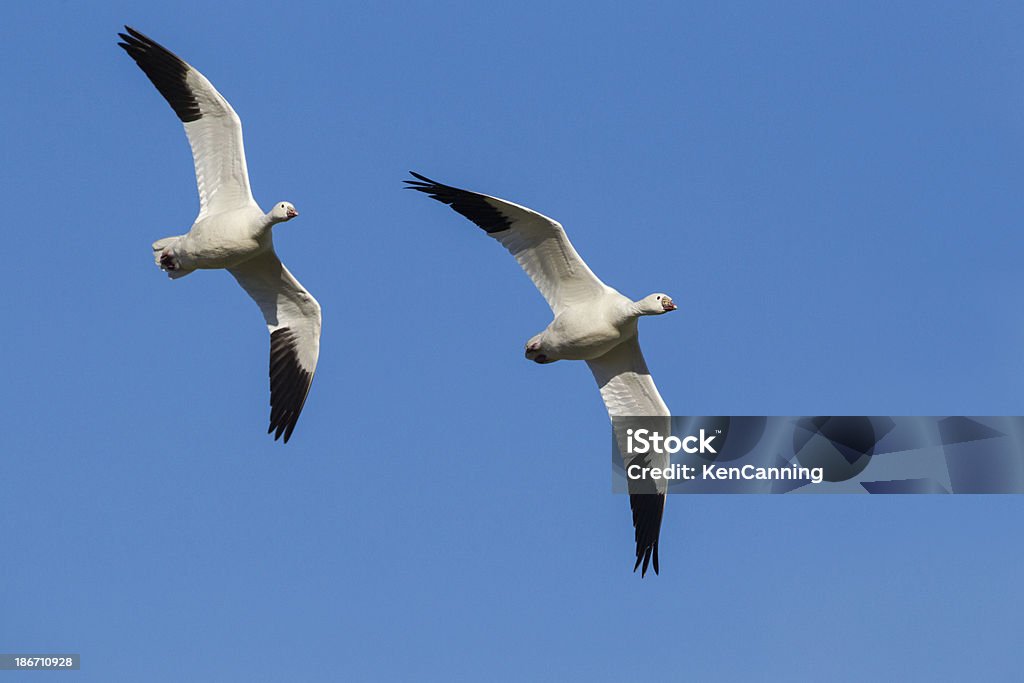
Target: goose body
pixel 592 322
pixel 586 330
pixel 231 231
pixel 223 240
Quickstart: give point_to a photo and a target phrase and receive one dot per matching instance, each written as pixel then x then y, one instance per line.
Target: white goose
pixel 593 322
pixel 231 231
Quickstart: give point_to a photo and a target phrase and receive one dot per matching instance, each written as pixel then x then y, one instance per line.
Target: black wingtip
pixel 472 205
pixel 425 184
pixel 289 384
pixel 422 178
pixel 166 70
pixel 648 510
pixel 282 429
pixel 649 557
pixel 136 39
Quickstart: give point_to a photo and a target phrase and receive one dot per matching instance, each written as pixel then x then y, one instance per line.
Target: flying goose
pixel 231 231
pixel 592 322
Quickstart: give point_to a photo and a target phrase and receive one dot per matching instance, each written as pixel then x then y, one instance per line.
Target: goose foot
pixel 168 262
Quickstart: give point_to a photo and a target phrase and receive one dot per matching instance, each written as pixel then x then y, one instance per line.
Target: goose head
pixel 283 211
pixel 655 304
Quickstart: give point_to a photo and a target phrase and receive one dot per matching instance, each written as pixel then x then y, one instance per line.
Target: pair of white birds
pixel 592 321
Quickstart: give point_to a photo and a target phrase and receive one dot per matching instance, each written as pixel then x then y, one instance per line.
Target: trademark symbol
pixel 718 431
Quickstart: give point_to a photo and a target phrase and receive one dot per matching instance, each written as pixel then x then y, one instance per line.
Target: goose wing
pixel 629 395
pixel 213 128
pixel 537 242
pixel 293 319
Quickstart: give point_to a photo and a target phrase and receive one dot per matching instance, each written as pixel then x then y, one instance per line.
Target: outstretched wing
pixel 293 318
pixel 630 396
pixel 213 128
pixel 539 244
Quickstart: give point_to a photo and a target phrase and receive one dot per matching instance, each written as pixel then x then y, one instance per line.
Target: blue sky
pixel 830 191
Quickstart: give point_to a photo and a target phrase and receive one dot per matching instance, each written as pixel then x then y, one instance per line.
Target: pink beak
pixel 292 213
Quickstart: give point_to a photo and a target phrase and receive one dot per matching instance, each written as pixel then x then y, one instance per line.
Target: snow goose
pixel 592 322
pixel 231 231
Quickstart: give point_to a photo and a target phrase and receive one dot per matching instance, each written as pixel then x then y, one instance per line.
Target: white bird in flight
pixel 232 231
pixel 592 322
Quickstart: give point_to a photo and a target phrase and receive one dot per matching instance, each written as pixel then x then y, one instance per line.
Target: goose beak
pixel 668 305
pixel 292 213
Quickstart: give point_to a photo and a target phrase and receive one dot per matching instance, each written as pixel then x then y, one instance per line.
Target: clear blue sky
pixel 830 191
